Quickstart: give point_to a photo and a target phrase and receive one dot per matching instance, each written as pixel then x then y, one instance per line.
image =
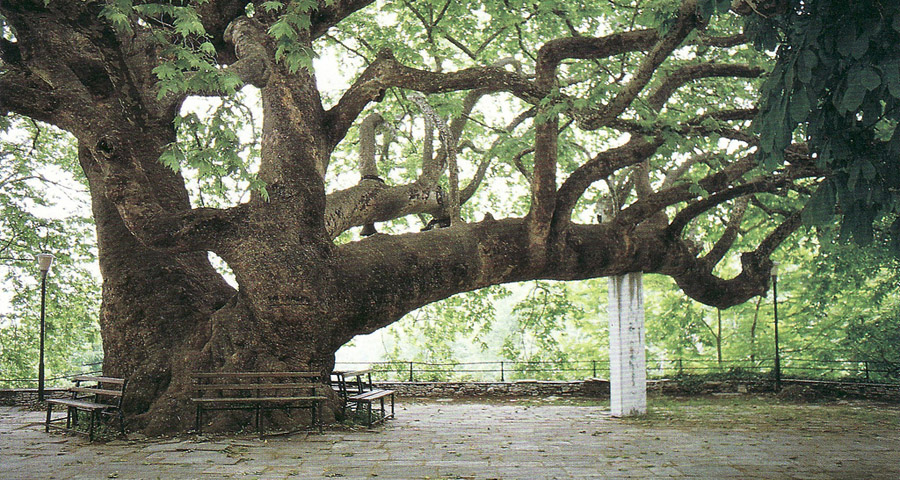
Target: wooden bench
pixel 98 396
pixel 356 386
pixel 258 391
pixel 370 396
pixel 345 382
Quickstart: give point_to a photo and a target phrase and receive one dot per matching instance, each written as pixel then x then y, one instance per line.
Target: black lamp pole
pixel 44 261
pixel 775 307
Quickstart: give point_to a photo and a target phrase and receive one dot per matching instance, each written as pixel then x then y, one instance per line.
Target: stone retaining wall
pixel 28 397
pixel 792 389
pixel 521 388
pixel 592 387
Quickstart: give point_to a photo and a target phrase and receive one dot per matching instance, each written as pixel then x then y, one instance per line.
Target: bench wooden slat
pixel 91 378
pixel 97 391
pixel 353 373
pixel 255 399
pixel 255 386
pixel 256 374
pixel 79 404
pixel 371 395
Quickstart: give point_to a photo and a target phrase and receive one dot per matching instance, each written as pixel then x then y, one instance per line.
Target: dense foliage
pixel 836 84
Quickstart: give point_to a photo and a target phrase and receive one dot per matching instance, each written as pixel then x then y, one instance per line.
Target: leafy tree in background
pixel 499 127
pixel 446 332
pixel 36 163
pixel 535 328
pixel 845 297
pixel 541 318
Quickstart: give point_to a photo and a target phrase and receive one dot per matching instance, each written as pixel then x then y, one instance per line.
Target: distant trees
pixel 43 210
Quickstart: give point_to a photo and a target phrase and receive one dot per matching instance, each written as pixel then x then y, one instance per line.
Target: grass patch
pixel 765 412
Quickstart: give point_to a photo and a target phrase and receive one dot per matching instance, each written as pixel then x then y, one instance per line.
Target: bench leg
pixel 49 411
pixel 258 429
pixel 382 408
pixel 369 410
pixel 392 405
pixel 198 422
pixel 93 414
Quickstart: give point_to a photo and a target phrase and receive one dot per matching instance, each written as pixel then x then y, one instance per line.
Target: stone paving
pixel 454 440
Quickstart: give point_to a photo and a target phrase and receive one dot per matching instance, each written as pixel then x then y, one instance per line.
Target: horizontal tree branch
pixel 405 272
pixel 689 73
pixel 601 166
pixel 386 72
pixel 589 48
pixel 372 201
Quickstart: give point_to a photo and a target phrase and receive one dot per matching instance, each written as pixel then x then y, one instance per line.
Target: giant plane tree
pixel 455 145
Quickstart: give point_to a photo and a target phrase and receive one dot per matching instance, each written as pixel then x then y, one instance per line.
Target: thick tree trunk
pixel 166 316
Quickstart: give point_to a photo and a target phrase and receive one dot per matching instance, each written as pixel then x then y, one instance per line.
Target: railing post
pixel 411 372
pixel 594 368
pixel 502 376
pixel 866 365
pixel 680 367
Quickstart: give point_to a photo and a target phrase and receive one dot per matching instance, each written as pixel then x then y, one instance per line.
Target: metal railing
pixel 570 370
pixel 52 382
pixel 505 370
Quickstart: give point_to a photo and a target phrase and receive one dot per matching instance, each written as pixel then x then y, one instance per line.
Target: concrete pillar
pixel 627 364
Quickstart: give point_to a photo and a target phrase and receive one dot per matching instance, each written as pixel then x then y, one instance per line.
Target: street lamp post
pixel 44 262
pixel 774 274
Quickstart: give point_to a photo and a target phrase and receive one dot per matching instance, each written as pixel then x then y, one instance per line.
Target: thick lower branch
pixel 390 276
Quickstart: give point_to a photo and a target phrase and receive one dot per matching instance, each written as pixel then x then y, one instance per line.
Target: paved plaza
pixel 504 439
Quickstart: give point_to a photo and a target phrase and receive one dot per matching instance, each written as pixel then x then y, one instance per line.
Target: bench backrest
pixel 256 384
pixel 352 381
pixel 107 390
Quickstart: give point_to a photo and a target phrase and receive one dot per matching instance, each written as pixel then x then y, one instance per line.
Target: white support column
pixel 627 364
